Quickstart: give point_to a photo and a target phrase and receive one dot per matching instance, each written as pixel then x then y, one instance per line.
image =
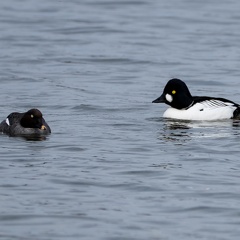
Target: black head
pixel 33 119
pixel 176 94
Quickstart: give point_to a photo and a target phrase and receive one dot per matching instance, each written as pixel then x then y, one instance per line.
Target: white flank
pixel 206 110
pixel 7 122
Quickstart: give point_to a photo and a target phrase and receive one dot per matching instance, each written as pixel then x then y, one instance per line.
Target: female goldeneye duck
pixel 28 123
pixel 187 107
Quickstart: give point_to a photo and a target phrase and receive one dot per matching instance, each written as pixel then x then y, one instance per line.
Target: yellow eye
pixel 173 91
pixel 32 116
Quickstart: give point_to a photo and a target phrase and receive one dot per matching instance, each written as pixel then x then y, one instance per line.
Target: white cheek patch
pixel 7 122
pixel 169 97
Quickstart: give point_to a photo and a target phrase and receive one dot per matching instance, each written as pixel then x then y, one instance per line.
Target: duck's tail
pixel 236 113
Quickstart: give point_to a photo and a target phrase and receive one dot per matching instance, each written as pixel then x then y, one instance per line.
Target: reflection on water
pixel 180 131
pixel 174 124
pixel 33 137
pixel 176 131
pixel 236 123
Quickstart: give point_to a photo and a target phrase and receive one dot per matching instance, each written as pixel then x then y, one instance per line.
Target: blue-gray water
pixel 113 169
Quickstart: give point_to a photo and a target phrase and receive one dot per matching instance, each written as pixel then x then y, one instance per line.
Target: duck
pixel 184 106
pixel 27 123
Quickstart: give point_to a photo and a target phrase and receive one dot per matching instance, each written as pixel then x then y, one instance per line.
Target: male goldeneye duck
pixel 187 107
pixel 28 123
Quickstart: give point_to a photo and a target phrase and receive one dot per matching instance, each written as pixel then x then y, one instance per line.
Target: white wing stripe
pixel 7 122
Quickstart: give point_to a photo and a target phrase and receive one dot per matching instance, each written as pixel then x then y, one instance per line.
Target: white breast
pixel 206 110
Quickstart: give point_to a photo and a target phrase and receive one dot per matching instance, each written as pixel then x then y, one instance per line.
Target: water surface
pixel 113 168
